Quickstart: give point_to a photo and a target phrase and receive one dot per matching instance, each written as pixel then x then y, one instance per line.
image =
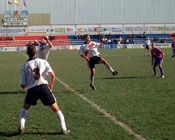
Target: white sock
pixel 22 117
pixel 92 80
pixel 109 68
pixel 61 120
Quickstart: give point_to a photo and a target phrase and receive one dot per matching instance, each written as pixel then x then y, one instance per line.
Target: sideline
pixel 97 107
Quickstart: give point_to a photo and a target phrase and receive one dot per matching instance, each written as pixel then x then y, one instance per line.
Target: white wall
pixel 101 11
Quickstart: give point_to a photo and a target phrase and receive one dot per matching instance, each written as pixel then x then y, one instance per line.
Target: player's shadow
pixel 6 134
pixel 129 77
pixel 13 134
pixel 43 133
pixel 12 92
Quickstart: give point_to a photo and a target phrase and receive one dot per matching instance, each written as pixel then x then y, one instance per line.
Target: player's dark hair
pixel 86 35
pixel 31 51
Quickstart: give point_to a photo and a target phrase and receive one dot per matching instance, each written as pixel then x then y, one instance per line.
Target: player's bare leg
pixel 92 77
pixel 148 52
pixel 145 51
pixel 103 61
pixel 60 118
pixel 22 118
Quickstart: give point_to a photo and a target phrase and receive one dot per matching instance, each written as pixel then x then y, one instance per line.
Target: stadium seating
pixel 20 41
pixel 64 40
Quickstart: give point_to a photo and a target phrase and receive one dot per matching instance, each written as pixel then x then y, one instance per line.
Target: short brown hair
pixel 86 35
pixel 31 50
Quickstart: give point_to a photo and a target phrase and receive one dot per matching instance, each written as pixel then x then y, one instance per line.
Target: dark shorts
pixel 158 61
pixel 41 92
pixel 174 51
pixel 94 60
pixel 147 47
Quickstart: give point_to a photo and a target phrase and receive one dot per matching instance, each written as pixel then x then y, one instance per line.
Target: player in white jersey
pixel 34 80
pixel 147 44
pixel 89 51
pixel 43 48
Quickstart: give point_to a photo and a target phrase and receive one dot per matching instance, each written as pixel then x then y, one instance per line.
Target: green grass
pixel 144 103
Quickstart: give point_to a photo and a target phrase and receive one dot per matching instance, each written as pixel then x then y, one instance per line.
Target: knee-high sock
pixel 22 117
pixel 61 120
pixel 161 71
pixel 109 68
pixel 92 79
pixel 155 71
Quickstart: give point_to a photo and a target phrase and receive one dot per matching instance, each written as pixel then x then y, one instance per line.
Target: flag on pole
pixel 16 2
pixel 10 2
pixel 24 2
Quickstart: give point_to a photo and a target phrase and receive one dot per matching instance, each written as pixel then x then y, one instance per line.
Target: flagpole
pixel 7 5
pixel 14 5
pixel 23 5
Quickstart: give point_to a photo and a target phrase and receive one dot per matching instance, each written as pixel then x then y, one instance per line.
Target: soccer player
pixel 89 51
pixel 173 48
pixel 147 43
pixel 157 59
pixel 44 47
pixel 33 80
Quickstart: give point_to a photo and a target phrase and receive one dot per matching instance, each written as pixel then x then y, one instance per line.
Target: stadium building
pixel 72 17
pixel 63 12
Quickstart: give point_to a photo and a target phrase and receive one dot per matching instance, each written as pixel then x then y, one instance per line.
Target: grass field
pixel 144 103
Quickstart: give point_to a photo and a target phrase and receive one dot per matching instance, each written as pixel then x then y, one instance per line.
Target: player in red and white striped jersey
pixel 89 51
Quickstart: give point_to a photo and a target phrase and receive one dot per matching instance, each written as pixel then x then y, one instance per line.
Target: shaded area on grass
pixel 12 92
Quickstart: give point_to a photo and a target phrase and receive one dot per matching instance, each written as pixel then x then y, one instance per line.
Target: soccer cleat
pixel 21 130
pixel 154 75
pixel 162 76
pixel 63 132
pixel 93 87
pixel 114 73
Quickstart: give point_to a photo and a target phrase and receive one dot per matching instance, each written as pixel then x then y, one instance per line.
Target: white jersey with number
pixel 90 49
pixel 43 51
pixel 35 72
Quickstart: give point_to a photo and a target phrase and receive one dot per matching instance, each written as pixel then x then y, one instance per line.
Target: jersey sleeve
pixel 81 51
pixel 48 67
pixel 97 45
pixel 23 76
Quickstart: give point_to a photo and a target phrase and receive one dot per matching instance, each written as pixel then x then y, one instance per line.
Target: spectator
pixel 11 38
pixel 144 35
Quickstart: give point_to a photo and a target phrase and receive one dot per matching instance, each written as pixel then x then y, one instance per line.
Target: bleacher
pixel 21 41
pixel 137 40
pixel 65 40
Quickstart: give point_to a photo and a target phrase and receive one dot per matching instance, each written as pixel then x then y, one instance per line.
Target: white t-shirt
pixel 90 49
pixel 43 51
pixel 35 72
pixel 147 42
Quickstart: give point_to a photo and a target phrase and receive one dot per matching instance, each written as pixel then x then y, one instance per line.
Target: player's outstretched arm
pixel 85 57
pixel 101 44
pixel 48 41
pixel 36 43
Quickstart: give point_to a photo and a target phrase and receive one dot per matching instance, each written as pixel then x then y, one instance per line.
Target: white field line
pixel 108 115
